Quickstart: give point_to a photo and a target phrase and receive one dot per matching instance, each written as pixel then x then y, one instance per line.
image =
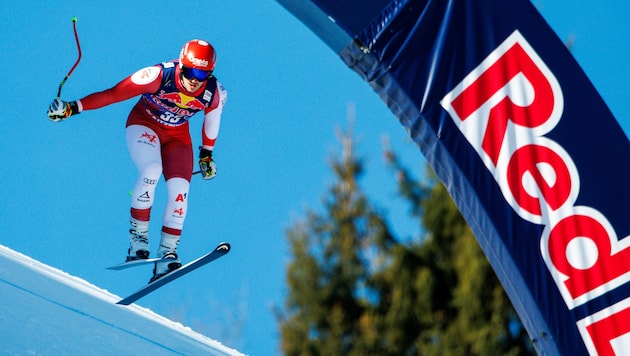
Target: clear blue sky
pixel 66 186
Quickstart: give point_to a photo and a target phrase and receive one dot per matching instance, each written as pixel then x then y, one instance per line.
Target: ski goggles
pixel 194 73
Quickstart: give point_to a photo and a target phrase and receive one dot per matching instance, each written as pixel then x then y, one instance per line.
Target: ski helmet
pixel 198 54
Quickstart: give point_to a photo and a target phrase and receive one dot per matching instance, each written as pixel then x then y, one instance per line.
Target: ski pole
pixel 76 38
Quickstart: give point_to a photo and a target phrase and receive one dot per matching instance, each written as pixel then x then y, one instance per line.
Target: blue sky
pixel 66 186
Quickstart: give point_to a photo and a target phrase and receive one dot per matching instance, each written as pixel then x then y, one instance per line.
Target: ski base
pixel 222 249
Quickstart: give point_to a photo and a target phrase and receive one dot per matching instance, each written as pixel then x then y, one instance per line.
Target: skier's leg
pixel 177 157
pixel 173 222
pixel 176 205
pixel 144 149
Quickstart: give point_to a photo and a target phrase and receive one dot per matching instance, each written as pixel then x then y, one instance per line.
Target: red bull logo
pixel 504 108
pixel 183 101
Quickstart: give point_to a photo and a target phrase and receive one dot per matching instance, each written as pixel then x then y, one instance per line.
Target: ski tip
pixel 223 247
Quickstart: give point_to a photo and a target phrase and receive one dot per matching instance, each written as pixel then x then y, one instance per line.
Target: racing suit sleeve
pixel 146 80
pixel 212 118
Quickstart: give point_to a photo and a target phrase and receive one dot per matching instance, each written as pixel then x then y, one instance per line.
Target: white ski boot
pixel 138 240
pixel 167 251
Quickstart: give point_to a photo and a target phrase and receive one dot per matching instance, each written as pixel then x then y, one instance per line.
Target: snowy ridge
pixel 47 311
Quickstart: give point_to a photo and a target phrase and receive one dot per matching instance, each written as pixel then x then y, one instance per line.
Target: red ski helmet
pixel 198 54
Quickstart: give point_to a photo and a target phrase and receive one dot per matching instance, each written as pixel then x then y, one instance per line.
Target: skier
pixel 159 142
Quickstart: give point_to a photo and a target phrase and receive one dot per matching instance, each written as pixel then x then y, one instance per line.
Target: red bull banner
pixel 532 156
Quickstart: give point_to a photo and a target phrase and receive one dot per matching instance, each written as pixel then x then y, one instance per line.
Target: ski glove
pixel 206 164
pixel 60 110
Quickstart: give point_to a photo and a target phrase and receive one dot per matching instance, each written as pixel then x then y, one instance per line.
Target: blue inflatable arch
pixel 535 161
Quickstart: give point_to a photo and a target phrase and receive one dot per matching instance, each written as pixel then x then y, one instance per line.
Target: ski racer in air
pixel 159 141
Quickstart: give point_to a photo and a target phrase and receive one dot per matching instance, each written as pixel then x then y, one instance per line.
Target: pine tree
pixel 354 290
pixel 477 318
pixel 329 289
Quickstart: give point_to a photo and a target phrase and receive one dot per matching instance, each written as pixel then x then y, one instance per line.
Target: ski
pixel 133 263
pixel 222 249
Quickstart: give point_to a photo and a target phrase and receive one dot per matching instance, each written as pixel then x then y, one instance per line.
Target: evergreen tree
pixel 353 290
pixel 477 318
pixel 329 289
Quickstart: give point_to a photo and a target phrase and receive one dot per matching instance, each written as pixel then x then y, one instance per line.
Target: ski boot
pixel 138 240
pixel 168 252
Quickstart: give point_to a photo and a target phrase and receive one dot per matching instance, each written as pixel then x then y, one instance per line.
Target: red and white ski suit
pixel 158 136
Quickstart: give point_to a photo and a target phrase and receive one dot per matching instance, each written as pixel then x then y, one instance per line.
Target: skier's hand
pixel 206 164
pixel 60 110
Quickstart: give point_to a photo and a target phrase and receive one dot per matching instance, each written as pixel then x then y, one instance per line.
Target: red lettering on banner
pixel 504 108
pixel 605 332
pixel 513 62
pixel 606 265
pixel 531 160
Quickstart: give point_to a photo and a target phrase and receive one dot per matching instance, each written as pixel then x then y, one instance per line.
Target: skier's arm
pixel 146 80
pixel 212 119
pixel 210 130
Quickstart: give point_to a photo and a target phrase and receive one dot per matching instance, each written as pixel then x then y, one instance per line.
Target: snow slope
pixel 45 311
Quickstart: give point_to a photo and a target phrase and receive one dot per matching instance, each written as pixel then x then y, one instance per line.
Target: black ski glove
pixel 206 164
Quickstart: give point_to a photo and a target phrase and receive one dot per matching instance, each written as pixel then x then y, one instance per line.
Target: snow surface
pixel 45 311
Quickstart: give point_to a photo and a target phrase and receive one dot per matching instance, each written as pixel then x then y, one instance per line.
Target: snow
pixel 45 311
